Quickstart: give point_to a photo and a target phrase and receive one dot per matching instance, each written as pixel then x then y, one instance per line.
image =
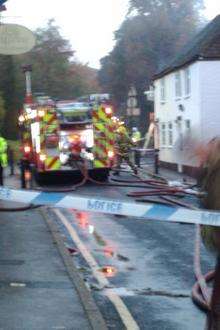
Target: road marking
pixel 123 311
pixel 18 284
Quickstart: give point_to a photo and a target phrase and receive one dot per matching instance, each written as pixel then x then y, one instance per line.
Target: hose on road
pixel 19 209
pixel 200 290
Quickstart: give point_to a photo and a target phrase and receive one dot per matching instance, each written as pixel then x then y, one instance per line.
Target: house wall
pixel 185 130
pixel 210 99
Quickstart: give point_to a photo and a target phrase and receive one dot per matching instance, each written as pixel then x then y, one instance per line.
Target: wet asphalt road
pixel 153 263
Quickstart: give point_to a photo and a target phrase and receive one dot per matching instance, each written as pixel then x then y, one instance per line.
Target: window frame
pixel 163 90
pixel 178 85
pixel 187 82
pixel 170 134
pixel 163 137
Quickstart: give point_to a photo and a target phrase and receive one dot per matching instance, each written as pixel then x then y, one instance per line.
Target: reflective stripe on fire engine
pixel 42 135
pixel 51 123
pixel 100 115
pixel 52 163
pixel 26 137
pixel 103 137
pixel 100 163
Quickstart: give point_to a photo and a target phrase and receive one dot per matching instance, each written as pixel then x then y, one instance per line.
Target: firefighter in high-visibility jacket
pixel 123 147
pixel 3 157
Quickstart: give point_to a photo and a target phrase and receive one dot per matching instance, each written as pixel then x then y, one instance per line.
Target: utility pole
pixel 27 69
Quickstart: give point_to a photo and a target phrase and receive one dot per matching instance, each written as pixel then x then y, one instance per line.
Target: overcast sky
pixel 88 24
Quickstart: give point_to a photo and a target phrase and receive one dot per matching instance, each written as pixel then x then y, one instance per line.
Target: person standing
pixel 3 158
pixel 123 148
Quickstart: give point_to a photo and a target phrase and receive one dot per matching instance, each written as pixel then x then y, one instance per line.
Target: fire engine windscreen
pixel 75 112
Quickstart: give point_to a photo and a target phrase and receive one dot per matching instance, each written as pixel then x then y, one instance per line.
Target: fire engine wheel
pixel 100 175
pixel 40 178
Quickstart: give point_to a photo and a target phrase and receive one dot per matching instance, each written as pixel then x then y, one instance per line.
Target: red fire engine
pixel 66 137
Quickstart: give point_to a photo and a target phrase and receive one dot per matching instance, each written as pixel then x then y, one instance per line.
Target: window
pixel 163 134
pixel 188 126
pixel 162 90
pixel 178 86
pixel 187 82
pixel 170 134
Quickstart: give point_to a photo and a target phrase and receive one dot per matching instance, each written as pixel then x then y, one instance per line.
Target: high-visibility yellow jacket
pixel 123 141
pixel 3 152
pixel 136 136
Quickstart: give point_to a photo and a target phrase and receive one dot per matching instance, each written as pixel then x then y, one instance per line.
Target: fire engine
pixel 67 136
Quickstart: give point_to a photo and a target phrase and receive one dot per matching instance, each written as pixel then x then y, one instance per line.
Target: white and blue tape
pixel 109 206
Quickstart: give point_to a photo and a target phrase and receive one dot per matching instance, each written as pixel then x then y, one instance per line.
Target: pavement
pixel 39 286
pixel 170 175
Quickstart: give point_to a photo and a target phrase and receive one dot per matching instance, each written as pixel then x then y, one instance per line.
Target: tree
pixel 56 73
pixel 175 9
pixel 150 36
pixel 2 112
pixel 50 59
pixel 7 92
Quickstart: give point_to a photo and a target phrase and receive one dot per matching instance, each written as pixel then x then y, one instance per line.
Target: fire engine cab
pixel 67 136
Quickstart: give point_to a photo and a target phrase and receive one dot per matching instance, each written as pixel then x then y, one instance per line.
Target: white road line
pixel 123 311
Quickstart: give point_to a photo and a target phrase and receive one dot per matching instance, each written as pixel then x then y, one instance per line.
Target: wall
pixel 181 151
pixel 210 99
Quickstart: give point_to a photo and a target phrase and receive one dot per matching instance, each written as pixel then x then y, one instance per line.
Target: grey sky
pixel 88 24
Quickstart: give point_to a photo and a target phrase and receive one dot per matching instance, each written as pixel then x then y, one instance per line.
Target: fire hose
pixel 203 299
pixel 19 209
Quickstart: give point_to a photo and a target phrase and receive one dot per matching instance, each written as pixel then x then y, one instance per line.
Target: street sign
pixel 132 102
pixel 133 111
pixel 15 39
pixel 136 112
pixel 132 92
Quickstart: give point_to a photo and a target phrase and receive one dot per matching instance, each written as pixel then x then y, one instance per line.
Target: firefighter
pixel 123 146
pixel 3 157
pixel 136 137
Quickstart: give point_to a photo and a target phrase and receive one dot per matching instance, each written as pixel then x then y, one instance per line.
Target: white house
pixel 187 100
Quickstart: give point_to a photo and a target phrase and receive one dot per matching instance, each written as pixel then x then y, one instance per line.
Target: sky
pixel 89 25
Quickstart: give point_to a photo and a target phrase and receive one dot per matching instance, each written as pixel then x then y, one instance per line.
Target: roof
pixel 204 46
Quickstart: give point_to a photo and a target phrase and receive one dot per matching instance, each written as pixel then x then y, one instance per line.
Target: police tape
pixel 111 206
